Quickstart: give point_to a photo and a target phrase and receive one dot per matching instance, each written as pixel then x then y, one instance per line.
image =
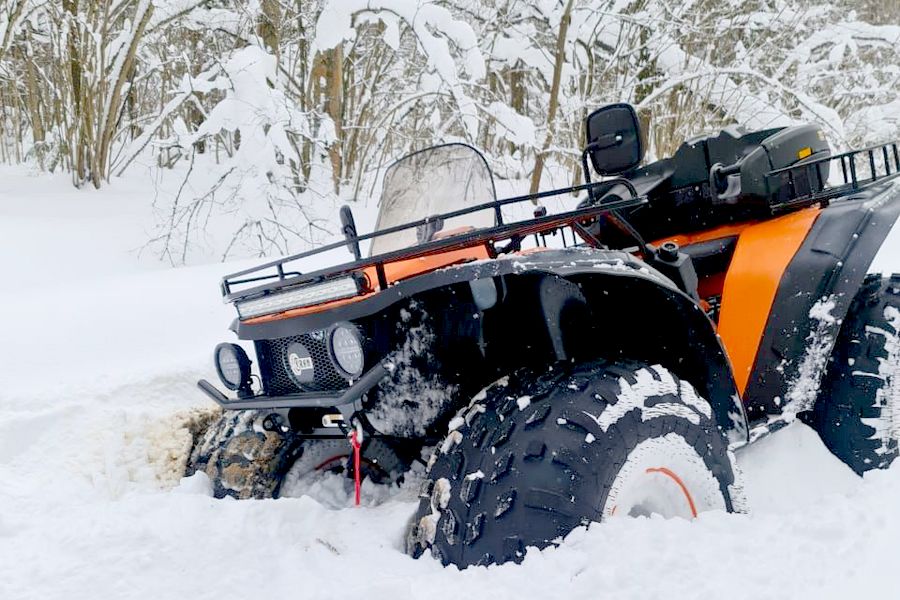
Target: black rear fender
pixel 813 298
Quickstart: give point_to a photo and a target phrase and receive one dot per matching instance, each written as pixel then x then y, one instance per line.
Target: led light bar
pixel 308 295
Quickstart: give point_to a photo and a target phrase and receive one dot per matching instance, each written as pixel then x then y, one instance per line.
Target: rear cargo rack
pixel 277 277
pixel 807 184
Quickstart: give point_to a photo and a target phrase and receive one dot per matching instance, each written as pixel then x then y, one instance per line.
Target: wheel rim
pixel 666 477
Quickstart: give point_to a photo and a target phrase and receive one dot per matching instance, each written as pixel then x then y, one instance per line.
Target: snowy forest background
pixel 259 118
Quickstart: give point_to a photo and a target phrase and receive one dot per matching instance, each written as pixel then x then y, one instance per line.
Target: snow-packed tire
pixel 857 413
pixel 535 456
pixel 241 458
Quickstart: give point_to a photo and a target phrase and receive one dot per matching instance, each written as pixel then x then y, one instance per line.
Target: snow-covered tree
pixel 267 112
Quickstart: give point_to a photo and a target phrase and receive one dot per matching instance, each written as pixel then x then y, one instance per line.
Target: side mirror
pixel 348 228
pixel 614 139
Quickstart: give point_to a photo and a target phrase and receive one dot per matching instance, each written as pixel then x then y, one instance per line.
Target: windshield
pixel 427 183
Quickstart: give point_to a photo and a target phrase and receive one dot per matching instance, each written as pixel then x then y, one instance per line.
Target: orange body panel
pixel 394 272
pixel 761 256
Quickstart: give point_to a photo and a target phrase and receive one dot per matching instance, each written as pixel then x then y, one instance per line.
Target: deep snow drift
pixel 100 352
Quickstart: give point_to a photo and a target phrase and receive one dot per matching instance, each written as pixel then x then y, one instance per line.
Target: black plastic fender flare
pixel 711 372
pixel 813 298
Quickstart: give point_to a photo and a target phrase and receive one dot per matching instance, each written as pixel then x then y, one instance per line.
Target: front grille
pixel 273 365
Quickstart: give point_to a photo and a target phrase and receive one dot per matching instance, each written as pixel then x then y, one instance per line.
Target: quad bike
pixel 576 365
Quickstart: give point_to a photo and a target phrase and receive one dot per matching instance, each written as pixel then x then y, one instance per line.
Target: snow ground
pixel 99 355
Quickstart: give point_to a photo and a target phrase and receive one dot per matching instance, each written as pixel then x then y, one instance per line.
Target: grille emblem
pixel 300 363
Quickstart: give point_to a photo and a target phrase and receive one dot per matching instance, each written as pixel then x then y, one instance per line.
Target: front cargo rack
pixel 806 184
pixel 277 277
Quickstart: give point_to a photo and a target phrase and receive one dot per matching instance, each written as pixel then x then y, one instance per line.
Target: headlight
pixel 233 366
pixel 308 295
pixel 346 349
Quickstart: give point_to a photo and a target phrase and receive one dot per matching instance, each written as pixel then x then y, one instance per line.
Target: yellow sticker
pixel 804 152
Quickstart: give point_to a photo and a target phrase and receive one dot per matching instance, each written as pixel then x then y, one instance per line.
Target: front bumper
pixel 338 400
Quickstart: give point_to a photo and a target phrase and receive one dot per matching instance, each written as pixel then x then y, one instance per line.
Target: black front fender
pixel 636 314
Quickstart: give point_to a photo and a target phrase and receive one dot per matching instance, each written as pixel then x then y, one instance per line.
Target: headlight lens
pixel 346 349
pixel 233 366
pixel 308 295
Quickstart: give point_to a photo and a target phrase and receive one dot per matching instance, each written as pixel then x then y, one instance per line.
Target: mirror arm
pixel 645 249
pixel 587 175
pixel 619 221
pixel 587 171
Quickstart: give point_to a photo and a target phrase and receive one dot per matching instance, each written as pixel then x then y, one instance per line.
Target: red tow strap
pixel 354 441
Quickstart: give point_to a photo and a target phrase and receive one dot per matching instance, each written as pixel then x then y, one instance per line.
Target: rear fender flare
pixel 813 299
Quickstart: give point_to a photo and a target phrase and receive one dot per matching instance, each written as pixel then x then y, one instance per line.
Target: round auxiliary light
pixel 233 366
pixel 345 346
